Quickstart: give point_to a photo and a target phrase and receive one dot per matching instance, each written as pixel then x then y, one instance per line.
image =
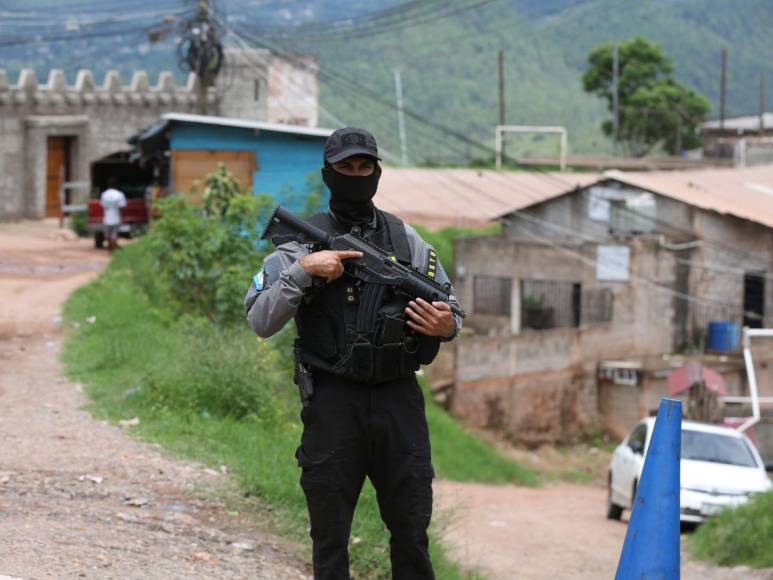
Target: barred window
pixel 491 295
pixel 597 305
pixel 550 304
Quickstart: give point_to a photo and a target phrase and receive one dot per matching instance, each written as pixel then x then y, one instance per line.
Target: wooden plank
pixel 190 168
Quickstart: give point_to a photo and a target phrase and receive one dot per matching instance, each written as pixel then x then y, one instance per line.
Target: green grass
pixel 461 456
pixel 225 397
pixel 739 536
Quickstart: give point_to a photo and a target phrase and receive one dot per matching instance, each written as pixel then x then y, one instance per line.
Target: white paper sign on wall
pixel 612 263
pixel 599 201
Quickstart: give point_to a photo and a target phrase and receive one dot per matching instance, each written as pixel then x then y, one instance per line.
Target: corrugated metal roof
pixel 245 124
pixel 744 193
pixel 743 123
pixel 438 198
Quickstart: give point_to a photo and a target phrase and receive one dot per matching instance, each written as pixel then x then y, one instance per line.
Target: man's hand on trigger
pixel 327 263
pixel 431 319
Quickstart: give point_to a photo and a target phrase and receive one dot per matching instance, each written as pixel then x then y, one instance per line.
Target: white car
pixel 720 467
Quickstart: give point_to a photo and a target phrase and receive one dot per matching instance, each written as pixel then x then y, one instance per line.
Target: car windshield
pixel 716 448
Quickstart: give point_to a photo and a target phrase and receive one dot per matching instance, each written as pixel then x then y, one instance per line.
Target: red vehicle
pixel 134 181
pixel 134 217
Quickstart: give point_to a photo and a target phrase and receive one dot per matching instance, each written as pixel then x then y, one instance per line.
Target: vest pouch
pixel 429 346
pixel 377 364
pixel 392 361
pixel 359 364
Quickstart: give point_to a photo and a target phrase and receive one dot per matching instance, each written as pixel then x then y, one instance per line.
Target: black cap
pixel 348 142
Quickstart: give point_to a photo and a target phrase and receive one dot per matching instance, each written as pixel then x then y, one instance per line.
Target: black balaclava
pixel 351 195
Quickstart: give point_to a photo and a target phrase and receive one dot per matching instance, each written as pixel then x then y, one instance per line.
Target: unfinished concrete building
pixel 618 275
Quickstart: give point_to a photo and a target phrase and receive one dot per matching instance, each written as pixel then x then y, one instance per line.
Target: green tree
pixel 654 108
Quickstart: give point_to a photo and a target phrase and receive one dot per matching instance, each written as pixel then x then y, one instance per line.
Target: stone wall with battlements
pixel 99 117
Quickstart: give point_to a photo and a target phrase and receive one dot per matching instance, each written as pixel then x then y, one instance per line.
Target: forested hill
pixel 449 65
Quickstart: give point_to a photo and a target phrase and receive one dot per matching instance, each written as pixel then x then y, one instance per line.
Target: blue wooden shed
pixel 282 160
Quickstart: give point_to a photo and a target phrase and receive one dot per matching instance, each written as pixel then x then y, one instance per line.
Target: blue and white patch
pixel 259 280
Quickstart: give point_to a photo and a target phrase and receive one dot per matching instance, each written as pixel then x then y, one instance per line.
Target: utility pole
pixel 401 118
pixel 722 82
pixel 201 51
pixel 615 98
pixel 761 104
pixel 202 72
pixel 502 93
pixel 679 112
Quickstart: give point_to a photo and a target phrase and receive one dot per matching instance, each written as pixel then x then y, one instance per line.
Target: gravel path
pixel 557 531
pixel 80 498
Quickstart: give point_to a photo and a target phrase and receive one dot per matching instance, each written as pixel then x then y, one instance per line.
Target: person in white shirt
pixel 112 200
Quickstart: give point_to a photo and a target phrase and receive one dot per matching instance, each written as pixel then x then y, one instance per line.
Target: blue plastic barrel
pixel 723 336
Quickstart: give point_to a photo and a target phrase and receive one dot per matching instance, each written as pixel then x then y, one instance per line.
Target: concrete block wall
pixel 734 246
pixel 540 386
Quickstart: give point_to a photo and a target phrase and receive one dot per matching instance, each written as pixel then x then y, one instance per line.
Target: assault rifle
pixel 375 266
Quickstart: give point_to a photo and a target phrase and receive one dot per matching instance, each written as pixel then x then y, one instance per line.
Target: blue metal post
pixel 651 548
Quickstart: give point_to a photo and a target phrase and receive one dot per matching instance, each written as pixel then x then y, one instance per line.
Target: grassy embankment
pixel 222 396
pixel 740 536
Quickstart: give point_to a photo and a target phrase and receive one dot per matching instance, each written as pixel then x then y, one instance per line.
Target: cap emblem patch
pixel 352 139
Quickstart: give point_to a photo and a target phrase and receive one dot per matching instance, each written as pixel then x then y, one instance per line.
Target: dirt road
pixel 80 498
pixel 557 531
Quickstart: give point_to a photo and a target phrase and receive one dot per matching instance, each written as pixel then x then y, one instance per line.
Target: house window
pixel 256 90
pixel 491 295
pixel 597 306
pixel 633 215
pixel 550 304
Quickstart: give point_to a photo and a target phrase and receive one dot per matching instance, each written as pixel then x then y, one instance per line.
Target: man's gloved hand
pixel 431 319
pixel 327 263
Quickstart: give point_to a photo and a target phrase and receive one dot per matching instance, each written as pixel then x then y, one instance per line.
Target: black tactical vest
pixel 358 330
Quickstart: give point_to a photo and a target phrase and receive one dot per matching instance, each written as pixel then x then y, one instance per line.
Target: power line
pixel 69 37
pixel 103 28
pixel 399 24
pixel 404 15
pixel 346 87
pixel 351 85
pixel 634 278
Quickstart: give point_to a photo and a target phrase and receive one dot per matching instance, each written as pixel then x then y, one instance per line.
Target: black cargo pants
pixel 350 431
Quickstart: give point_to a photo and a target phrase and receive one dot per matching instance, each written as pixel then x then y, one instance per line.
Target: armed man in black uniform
pixel 360 345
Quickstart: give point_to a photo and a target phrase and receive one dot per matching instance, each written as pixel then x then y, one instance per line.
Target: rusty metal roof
pixel 745 193
pixel 438 198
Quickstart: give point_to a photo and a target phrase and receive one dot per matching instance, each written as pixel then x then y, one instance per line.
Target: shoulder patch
pixel 259 280
pixel 430 262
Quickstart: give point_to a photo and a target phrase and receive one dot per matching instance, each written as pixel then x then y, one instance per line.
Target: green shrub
pixel 207 255
pixel 443 240
pixel 79 223
pixel 735 536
